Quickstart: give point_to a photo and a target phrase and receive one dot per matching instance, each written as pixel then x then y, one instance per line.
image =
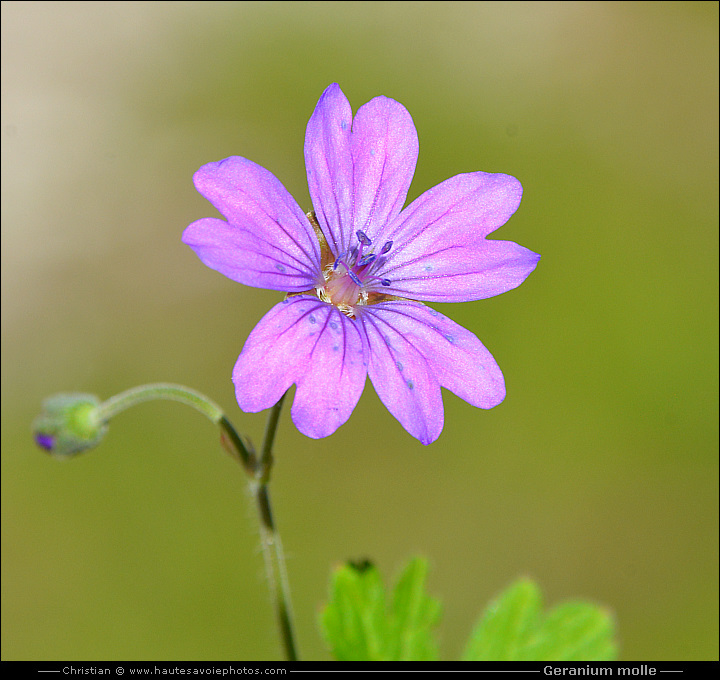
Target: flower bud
pixel 69 424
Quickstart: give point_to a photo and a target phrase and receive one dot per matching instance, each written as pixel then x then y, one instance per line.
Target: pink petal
pixel 267 240
pixel 328 160
pixel 242 256
pixel 456 357
pixel 440 252
pixel 447 273
pixel 385 150
pixel 460 209
pixel 310 343
pixel 359 172
pixel 402 377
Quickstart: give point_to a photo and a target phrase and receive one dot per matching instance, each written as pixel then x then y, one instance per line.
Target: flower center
pixel 353 276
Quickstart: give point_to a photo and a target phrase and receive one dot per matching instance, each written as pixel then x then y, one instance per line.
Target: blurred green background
pixel 598 474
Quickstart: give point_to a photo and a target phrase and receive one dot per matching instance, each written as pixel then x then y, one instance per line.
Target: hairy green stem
pixel 137 395
pixel 272 545
pixel 257 468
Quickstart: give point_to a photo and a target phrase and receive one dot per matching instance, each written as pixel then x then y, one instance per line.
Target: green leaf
pixel 506 625
pixel 513 628
pixel 414 615
pixel 360 626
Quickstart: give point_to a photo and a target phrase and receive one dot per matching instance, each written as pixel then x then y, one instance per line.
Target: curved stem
pixel 257 468
pixel 184 395
pixel 137 395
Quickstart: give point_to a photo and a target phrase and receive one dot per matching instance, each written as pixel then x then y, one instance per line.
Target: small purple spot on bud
pixel 385 282
pixel 280 268
pixel 312 319
pixel 355 278
pixel 410 385
pixel 399 366
pixel 45 441
pixel 386 248
pixel 449 338
pixel 366 259
pixel 362 237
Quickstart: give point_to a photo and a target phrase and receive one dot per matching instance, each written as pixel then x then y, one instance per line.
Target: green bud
pixel 69 424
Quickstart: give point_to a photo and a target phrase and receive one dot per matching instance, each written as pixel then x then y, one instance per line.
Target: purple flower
pixel 357 270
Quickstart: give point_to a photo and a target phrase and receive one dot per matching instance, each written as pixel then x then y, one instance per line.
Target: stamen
pixel 362 237
pixel 340 261
pixel 352 279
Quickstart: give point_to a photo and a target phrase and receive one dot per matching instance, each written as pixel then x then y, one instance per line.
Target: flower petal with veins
pixel 306 342
pixel 357 270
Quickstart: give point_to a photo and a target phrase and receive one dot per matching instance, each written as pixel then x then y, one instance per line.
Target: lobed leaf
pixel 359 625
pixel 513 628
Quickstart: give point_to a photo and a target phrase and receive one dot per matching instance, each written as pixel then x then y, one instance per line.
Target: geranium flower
pixel 357 271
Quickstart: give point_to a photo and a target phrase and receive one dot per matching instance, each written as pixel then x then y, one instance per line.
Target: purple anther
pixel 362 237
pixel 366 259
pixel 355 278
pixel 385 282
pixel 386 248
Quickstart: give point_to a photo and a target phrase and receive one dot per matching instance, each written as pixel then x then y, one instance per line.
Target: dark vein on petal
pixel 416 405
pixel 376 196
pixel 451 275
pixel 401 311
pixel 314 267
pixel 420 258
pixel 319 336
pixel 312 256
pixel 406 239
pixel 331 150
pixel 372 320
pixel 251 202
pixel 298 300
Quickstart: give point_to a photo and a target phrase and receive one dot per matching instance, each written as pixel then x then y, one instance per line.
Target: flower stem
pixel 270 538
pixel 258 470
